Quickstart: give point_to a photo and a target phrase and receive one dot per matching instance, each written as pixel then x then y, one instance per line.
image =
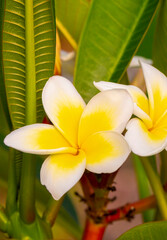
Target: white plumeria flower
pixel 147 134
pixel 80 137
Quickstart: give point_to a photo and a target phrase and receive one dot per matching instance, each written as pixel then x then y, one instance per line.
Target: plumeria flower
pixel 81 136
pixel 146 134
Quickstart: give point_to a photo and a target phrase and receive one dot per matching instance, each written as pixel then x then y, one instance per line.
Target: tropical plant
pixel 104 36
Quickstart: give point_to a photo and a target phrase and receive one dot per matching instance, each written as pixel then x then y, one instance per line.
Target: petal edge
pixel 105 151
pixel 61 172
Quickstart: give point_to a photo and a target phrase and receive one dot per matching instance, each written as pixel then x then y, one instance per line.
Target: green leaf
pixel 4 130
pixel 112 34
pixel 17 74
pixel 4 127
pixel 160 39
pixel 146 47
pixel 72 15
pixel 151 231
pixel 3 101
pixel 143 186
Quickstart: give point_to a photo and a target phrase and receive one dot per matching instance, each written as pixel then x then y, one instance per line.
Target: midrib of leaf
pixel 27 184
pixel 30 110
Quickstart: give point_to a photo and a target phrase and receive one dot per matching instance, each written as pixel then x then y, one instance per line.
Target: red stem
pixel 93 231
pixel 132 208
pixel 96 231
pixel 86 186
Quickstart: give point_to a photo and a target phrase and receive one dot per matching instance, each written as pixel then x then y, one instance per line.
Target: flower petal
pixel 105 151
pixel 64 106
pixel 162 121
pixel 38 139
pixel 156 83
pixel 141 104
pixel 61 172
pixel 137 59
pixel 144 142
pixel 143 116
pixel 109 110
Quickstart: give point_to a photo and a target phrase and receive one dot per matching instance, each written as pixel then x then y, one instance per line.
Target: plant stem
pixel 12 184
pixel 156 187
pixel 143 184
pixel 52 210
pixel 131 209
pixel 27 192
pixel 95 188
pixel 93 231
pixel 3 221
pixel 163 174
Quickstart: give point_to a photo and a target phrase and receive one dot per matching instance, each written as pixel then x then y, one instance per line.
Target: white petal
pixel 38 139
pixel 143 116
pixel 61 172
pixel 64 106
pixel 141 104
pixel 144 142
pixel 156 83
pixel 137 59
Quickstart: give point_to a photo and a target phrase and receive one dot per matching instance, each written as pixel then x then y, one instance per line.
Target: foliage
pixel 152 231
pixel 110 40
pixel 159 47
pixel 105 35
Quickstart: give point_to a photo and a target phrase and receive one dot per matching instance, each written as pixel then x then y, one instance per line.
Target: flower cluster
pixel 89 136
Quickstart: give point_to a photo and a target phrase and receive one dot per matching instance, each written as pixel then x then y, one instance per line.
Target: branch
pixel 128 211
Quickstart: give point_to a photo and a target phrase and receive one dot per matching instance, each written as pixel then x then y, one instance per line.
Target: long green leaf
pixel 149 231
pixel 14 55
pixel 112 34
pixel 160 39
pixel 146 47
pixel 3 100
